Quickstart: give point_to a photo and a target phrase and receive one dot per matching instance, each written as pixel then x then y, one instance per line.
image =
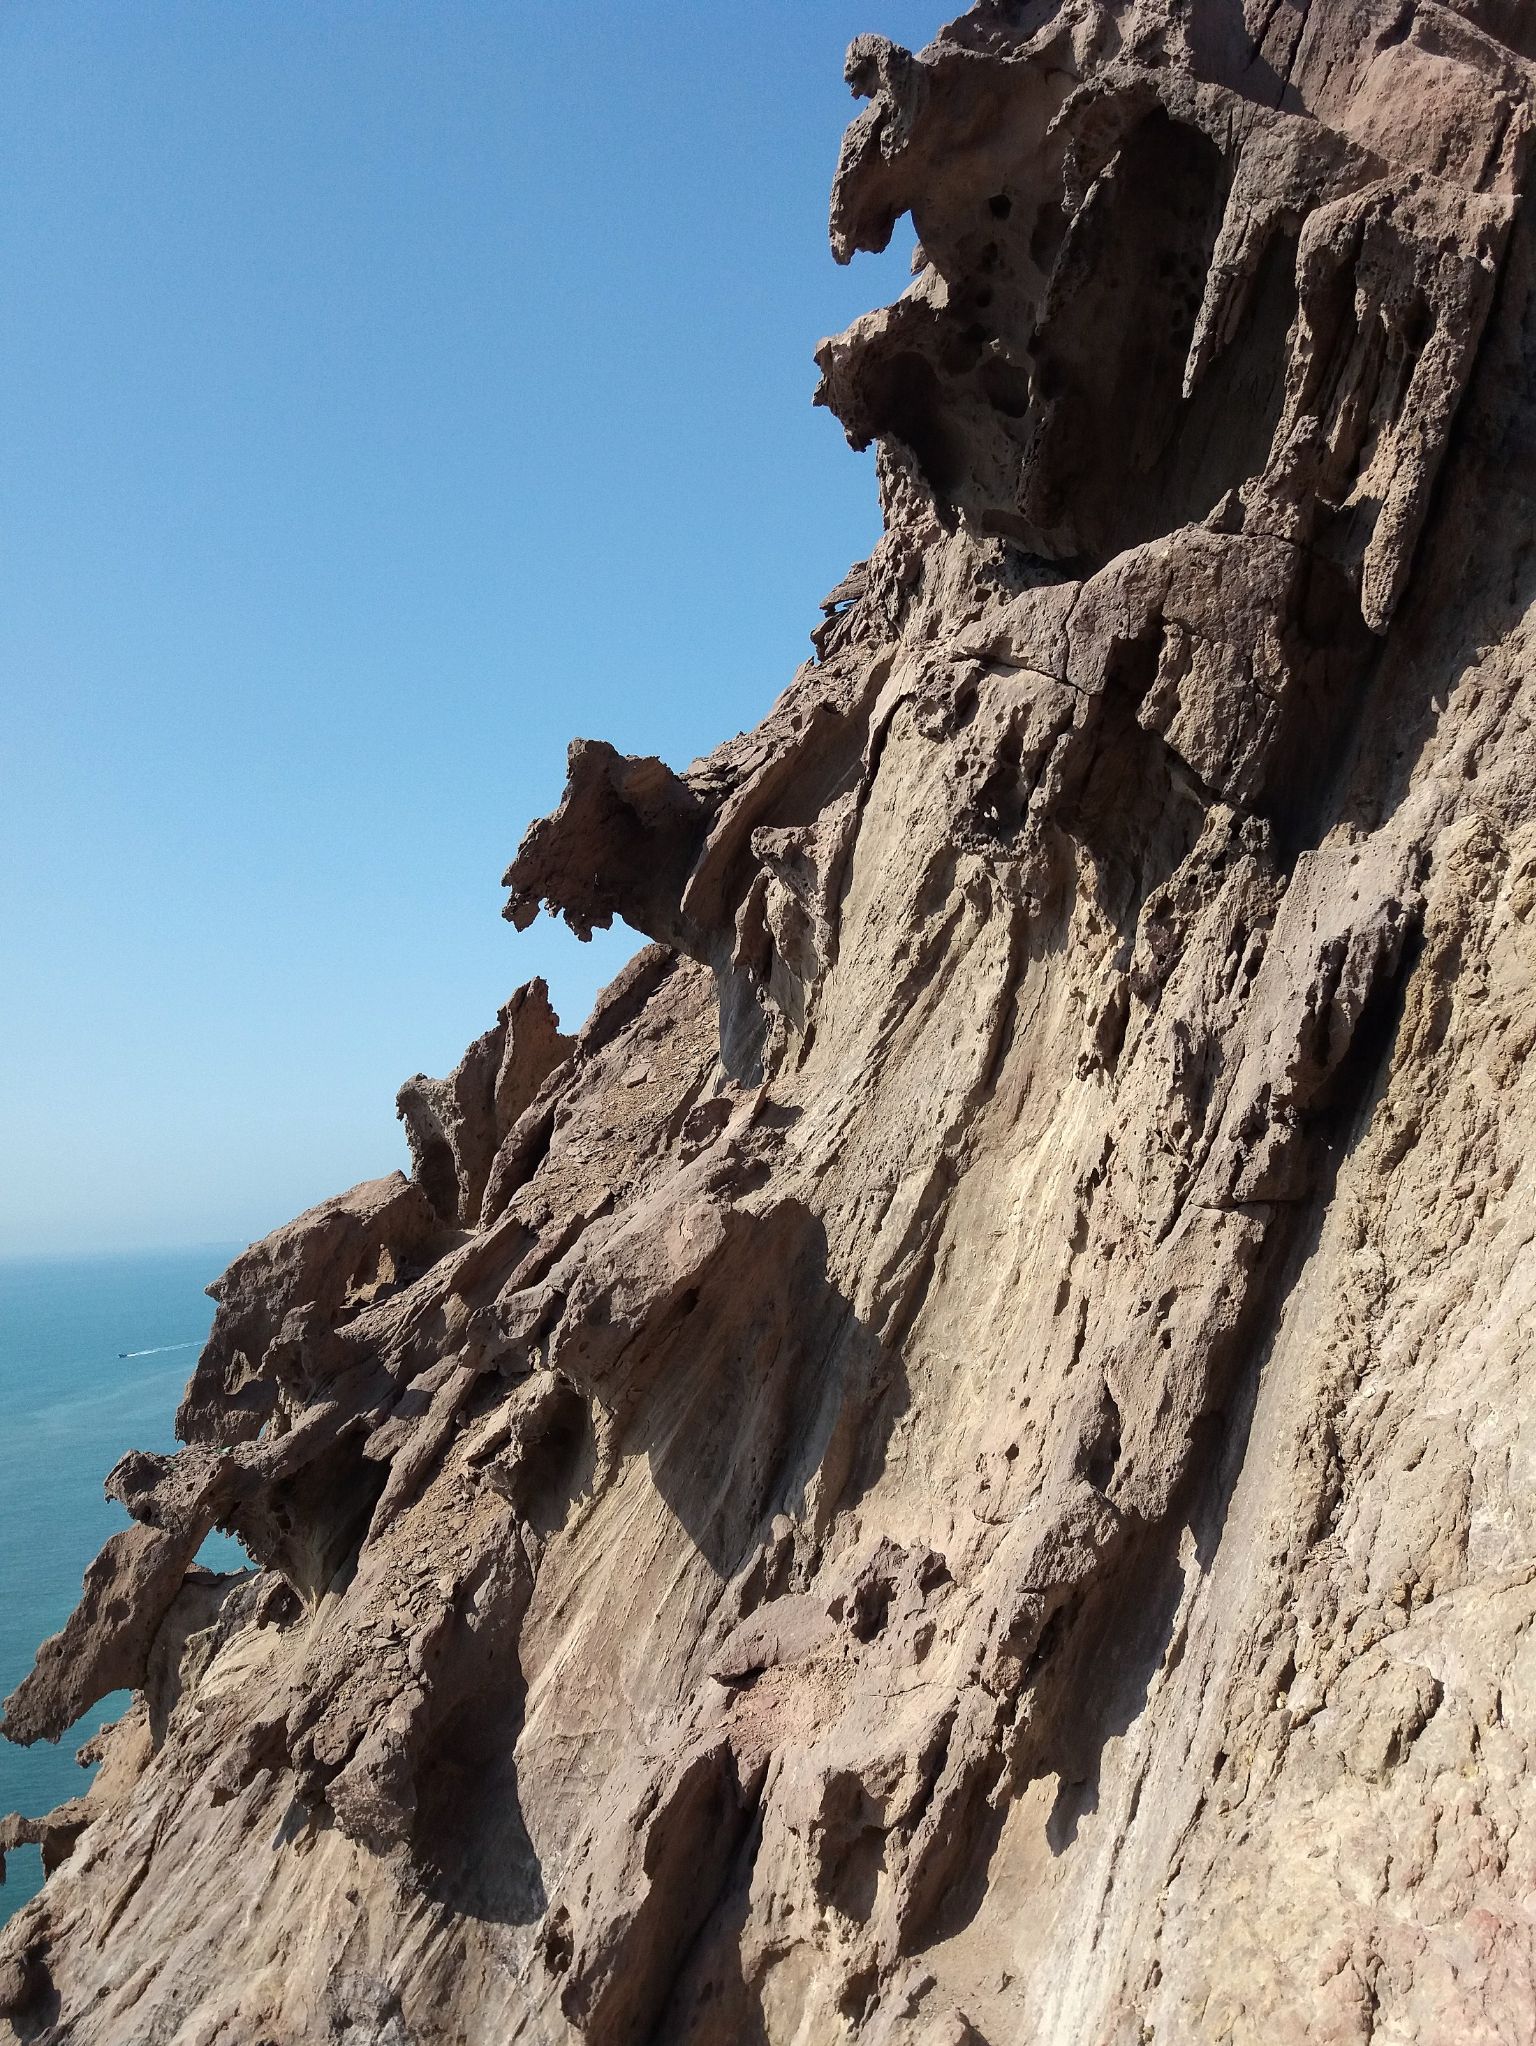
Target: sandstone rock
pixel 107 1642
pixel 954 1466
pixel 457 1126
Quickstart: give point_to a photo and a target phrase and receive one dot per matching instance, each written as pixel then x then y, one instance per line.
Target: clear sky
pixel 390 390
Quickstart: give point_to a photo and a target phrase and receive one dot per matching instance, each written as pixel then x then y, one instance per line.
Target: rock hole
pixel 1104 1449
pixel 871 1609
pixel 906 402
pixel 1049 1641
pixel 1007 388
pixel 559 1947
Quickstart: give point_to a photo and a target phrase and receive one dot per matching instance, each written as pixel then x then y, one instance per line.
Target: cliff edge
pixel 956 1466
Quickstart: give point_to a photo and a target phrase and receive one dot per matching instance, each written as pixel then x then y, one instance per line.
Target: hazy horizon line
pixel 63 1254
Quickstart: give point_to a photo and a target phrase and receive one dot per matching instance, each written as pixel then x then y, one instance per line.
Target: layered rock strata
pixel 955 1467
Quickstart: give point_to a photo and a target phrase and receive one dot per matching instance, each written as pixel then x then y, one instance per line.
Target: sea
pixel 94 1353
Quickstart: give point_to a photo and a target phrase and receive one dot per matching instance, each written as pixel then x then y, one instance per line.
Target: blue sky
pixel 392 390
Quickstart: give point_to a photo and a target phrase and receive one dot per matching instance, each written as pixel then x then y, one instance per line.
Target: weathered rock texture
pixel 956 1467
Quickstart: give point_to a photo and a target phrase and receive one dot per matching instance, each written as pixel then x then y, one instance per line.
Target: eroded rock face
pixel 954 1468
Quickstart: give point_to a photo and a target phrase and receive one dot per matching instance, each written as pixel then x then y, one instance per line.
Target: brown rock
pixel 457 1126
pixel 954 1468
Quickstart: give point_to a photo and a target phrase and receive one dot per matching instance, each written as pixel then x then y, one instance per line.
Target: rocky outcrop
pixel 456 1127
pixel 954 1467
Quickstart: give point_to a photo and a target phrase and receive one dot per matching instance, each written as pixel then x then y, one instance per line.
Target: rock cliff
pixel 956 1466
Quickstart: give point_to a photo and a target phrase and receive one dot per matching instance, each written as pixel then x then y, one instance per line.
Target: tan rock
pixel 955 1466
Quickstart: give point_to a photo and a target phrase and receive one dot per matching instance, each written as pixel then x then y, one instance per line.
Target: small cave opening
pixel 1101 1451
pixel 561 1455
pixel 906 401
pixel 310 1527
pixel 1120 456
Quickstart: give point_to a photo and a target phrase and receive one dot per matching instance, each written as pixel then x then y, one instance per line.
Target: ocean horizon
pixel 95 1350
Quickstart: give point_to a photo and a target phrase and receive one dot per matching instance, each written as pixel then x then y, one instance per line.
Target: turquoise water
pixel 70 1405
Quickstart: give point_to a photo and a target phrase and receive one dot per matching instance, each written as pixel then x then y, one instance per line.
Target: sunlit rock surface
pixel 956 1467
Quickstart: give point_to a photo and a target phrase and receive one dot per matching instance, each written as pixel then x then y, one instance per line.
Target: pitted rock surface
pixel 954 1469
